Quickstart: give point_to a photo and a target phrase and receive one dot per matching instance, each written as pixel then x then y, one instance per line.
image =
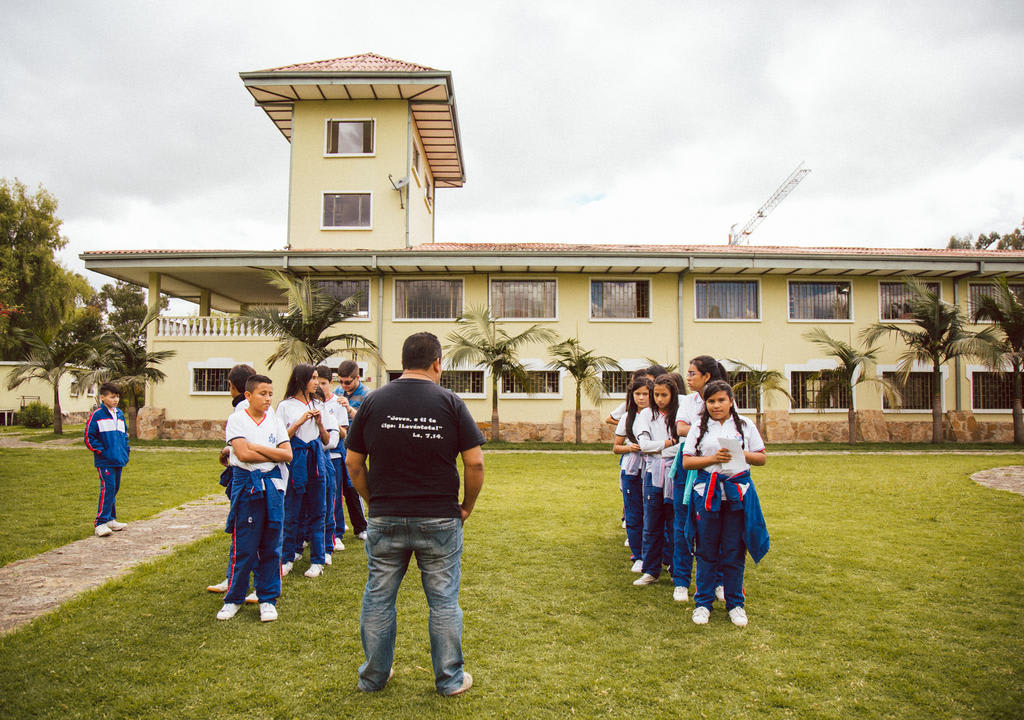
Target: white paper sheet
pixel 737 463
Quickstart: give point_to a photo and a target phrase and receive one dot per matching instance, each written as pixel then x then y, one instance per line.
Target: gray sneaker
pixel 102 531
pixel 116 526
pixel 467 683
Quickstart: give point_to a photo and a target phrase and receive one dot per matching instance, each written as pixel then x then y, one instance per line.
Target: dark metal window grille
pixel 523 298
pixel 463 382
pixel 819 301
pixel 976 291
pixel 615 383
pixel 428 299
pixel 344 289
pixel 745 397
pixel 350 137
pixel 991 391
pixel 544 382
pixel 210 379
pixel 347 210
pixel 916 393
pixel 805 386
pixel 727 299
pixel 894 299
pixel 620 299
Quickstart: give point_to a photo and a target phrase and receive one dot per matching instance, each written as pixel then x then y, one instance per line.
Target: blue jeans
pixel 657 529
pixel 720 547
pixel 633 508
pixel 390 544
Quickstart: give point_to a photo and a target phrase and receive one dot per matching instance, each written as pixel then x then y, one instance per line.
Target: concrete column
pixel 204 303
pixel 154 308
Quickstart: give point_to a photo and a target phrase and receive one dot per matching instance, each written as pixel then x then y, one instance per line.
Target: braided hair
pixel 672 409
pixel 631 408
pixel 715 386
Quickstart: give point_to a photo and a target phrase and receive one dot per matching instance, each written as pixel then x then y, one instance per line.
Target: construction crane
pixel 787 186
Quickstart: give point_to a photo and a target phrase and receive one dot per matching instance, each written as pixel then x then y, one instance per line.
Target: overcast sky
pixel 643 122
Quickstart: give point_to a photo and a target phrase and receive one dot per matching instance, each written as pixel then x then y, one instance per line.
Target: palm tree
pixel 853 369
pixel 302 330
pixel 762 383
pixel 49 356
pixel 1005 309
pixel 938 334
pixel 482 343
pixel 123 358
pixel 585 368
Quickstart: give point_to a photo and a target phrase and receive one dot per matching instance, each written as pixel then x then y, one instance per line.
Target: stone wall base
pixel 779 427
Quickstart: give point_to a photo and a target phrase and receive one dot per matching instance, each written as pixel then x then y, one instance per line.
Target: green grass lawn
pixel 52 494
pixel 893 589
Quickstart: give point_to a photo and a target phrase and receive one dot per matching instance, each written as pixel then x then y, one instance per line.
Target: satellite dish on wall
pixel 398 185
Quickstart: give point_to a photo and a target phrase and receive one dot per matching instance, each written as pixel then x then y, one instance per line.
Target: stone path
pixel 34 586
pixel 1009 478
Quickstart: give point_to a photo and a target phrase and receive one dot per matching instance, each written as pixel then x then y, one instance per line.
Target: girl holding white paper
pixel 724 513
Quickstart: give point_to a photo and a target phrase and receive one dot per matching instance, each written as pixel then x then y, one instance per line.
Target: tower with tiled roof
pixel 372 138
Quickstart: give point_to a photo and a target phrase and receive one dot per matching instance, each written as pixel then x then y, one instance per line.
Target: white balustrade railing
pixel 207 326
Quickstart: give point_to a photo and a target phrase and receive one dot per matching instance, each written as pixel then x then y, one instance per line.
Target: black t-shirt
pixel 413 431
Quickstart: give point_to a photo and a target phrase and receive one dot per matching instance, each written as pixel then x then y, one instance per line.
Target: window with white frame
pixel 523 299
pixel 620 299
pixel 894 299
pixel 428 299
pixel 541 382
pixel 746 396
pixel 347 210
pixel 349 137
pixel 345 289
pixel 805 385
pixel 976 291
pixel 991 391
pixel 463 382
pixel 416 157
pixel 819 300
pixel 616 382
pixel 210 380
pixel 915 394
pixel 727 300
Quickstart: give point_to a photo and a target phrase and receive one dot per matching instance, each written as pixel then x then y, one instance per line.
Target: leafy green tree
pixel 124 359
pixel 585 368
pixel 303 329
pixel 480 342
pixel 49 356
pixel 937 333
pixel 126 307
pixel 855 366
pixel 36 293
pixel 763 383
pixel 1004 308
pixel 1012 241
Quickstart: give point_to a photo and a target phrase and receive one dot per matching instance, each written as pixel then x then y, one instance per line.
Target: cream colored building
pixel 75 403
pixel 371 141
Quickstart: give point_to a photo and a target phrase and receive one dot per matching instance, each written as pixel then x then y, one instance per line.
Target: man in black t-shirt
pixel 413 431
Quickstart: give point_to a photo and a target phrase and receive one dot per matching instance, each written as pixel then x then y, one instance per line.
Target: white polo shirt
pixel 333 409
pixel 709 445
pixel 269 431
pixel 291 409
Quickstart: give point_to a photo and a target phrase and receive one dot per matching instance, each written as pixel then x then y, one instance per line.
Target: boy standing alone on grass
pixel 107 436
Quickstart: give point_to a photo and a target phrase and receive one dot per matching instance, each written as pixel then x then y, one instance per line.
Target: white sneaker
pixel 680 594
pixel 701 615
pixel 645 579
pixel 285 569
pixel 298 556
pixel 102 531
pixel 638 566
pixel 327 559
pixel 251 599
pixel 116 526
pixel 623 524
pixel 338 544
pixel 222 586
pixel 626 542
pixel 720 593
pixel 738 616
pixel 362 535
pixel 228 611
pixel 467 683
pixel 268 613
pixel 314 571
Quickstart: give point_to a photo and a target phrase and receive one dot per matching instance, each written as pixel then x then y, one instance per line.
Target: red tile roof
pixel 367 62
